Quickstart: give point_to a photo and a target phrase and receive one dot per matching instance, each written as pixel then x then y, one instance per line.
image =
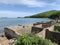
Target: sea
pixel 19 21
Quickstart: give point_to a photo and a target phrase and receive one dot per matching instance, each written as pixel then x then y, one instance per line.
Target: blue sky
pixel 21 8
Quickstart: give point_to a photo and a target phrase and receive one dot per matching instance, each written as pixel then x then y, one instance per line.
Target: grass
pixel 28 39
pixel 57 24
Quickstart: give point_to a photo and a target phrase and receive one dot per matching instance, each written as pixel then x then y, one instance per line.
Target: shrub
pixel 28 39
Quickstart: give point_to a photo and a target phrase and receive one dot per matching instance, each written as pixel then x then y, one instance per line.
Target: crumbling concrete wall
pixel 38 23
pixel 44 24
pixel 53 36
pixel 36 30
pixel 47 24
pixel 16 31
pixel 10 33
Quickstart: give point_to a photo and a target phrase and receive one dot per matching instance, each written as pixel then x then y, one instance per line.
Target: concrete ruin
pixel 53 36
pixel 16 31
pixel 38 29
pixel 44 24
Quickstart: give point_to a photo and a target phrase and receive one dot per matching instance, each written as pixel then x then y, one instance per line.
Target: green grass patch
pixel 28 39
pixel 57 24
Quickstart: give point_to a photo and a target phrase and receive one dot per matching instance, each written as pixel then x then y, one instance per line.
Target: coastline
pixel 19 21
pixel 23 29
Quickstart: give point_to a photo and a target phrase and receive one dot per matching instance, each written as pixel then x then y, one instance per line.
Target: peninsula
pixel 53 14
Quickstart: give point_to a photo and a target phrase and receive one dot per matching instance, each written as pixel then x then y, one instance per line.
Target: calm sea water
pixel 22 21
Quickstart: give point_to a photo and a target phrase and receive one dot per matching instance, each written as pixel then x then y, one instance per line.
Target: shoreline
pixel 22 29
pixel 23 21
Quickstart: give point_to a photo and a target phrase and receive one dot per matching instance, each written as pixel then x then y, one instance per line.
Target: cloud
pixel 33 3
pixel 29 3
pixel 14 14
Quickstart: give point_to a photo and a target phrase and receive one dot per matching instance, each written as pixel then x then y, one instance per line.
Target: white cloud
pixel 32 3
pixel 14 14
pixel 29 3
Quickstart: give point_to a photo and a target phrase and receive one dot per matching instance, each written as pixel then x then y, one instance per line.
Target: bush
pixel 28 39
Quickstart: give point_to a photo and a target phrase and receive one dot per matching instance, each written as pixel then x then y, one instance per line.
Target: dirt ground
pixel 5 41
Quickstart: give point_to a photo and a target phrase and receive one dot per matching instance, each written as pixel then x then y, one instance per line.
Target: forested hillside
pixel 48 14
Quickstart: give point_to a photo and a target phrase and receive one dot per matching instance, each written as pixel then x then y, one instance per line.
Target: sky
pixel 21 8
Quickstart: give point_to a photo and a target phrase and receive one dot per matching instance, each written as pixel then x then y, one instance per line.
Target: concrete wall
pixel 44 24
pixel 47 24
pixel 53 36
pixel 16 31
pixel 10 33
pixel 36 30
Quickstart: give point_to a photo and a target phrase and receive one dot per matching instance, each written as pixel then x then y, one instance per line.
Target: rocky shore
pixel 42 29
pixel 5 41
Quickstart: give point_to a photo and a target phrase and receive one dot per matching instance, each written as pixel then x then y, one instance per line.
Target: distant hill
pixel 48 14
